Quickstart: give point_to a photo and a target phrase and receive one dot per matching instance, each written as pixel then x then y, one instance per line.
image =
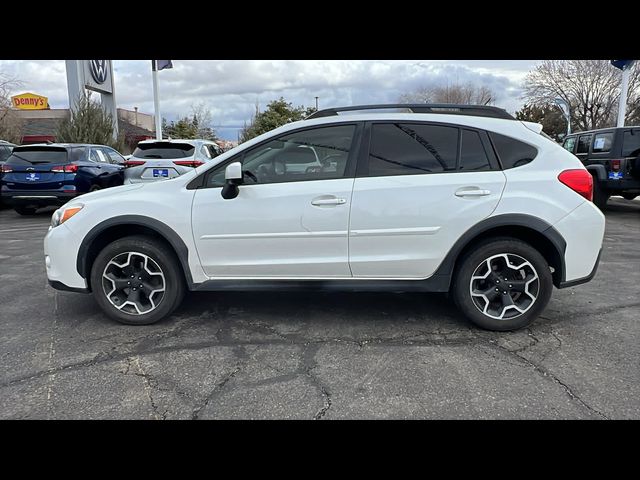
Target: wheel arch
pixel 123 226
pixel 534 231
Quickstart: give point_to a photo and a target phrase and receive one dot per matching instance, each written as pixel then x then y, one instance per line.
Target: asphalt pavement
pixel 318 355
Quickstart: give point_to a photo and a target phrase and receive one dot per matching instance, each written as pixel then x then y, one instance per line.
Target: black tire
pixel 25 210
pixel 600 194
pixel 169 267
pixel 95 188
pixel 629 196
pixel 473 260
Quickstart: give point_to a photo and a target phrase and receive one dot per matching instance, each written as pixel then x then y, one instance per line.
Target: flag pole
pixel 156 101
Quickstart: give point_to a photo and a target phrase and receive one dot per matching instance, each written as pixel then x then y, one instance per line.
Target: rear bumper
pixel 39 198
pixel 628 183
pixel 588 278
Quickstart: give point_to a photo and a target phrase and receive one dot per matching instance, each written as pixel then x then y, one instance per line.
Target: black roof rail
pixel 444 108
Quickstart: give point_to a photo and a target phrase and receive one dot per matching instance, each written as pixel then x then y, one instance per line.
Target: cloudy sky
pixel 231 88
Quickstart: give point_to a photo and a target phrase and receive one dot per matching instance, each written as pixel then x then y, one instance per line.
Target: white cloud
pixel 230 88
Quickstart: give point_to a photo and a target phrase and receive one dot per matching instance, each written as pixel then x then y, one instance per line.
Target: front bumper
pixel 61 247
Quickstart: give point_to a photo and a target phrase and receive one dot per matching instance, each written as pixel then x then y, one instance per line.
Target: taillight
pixel 6 168
pixel 69 168
pixel 133 163
pixel 189 163
pixel 615 165
pixel 580 181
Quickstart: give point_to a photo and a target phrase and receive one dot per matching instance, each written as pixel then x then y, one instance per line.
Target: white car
pixel 154 160
pixel 458 199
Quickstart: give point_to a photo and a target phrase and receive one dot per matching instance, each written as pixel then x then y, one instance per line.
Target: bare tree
pixel 10 124
pixel 591 87
pixel 463 94
pixel 202 119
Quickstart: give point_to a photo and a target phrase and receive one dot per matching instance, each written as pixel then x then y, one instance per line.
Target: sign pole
pixel 624 90
pixel 156 101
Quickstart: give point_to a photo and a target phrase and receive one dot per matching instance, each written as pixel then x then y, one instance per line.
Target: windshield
pixel 164 150
pixel 37 156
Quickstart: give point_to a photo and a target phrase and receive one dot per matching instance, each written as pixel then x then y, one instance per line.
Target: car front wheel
pixel 137 280
pixel 503 284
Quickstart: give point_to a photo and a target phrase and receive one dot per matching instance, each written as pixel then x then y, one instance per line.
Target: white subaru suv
pixel 429 198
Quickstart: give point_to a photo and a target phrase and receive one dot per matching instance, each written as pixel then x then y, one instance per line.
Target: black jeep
pixel 612 155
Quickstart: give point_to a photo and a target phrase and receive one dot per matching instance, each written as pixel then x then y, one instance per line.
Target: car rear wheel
pixel 503 284
pixel 137 281
pixel 600 194
pixel 629 196
pixel 25 210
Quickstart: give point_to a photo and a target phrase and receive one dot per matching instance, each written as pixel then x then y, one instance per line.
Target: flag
pixel 162 64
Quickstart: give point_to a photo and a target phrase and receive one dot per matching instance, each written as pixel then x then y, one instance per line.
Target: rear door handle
pixel 475 192
pixel 318 202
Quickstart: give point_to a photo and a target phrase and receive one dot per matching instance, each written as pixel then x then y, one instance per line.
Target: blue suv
pixel 40 175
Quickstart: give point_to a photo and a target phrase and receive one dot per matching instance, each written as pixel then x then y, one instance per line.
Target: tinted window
pixel 205 152
pixel 113 156
pixel 318 154
pixel 631 143
pixel 168 150
pixel 583 144
pixel 214 150
pixel 602 142
pixel 409 149
pixel 511 152
pixel 97 155
pixel 473 157
pixel 569 143
pixel 4 153
pixel 76 154
pixel 38 155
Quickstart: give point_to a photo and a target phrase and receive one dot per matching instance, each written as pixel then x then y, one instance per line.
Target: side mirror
pixel 232 178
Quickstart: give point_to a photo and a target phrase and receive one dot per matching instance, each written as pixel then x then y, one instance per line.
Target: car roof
pixel 600 130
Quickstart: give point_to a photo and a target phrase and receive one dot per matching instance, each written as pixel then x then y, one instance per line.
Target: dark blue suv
pixel 39 175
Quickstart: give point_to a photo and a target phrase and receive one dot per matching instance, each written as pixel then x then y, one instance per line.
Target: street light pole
pixel 317 103
pixel 566 110
pixel 156 101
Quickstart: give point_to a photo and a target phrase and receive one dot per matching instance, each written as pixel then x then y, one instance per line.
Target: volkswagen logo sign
pixel 98 70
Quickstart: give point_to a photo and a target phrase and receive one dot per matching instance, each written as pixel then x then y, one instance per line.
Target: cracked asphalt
pixel 318 356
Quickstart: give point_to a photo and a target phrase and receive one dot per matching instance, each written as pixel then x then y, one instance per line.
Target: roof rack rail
pixel 444 108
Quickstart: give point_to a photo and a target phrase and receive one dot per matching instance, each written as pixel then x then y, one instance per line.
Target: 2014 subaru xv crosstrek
pixel 439 198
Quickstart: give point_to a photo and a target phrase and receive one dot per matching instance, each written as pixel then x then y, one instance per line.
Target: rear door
pixel 35 168
pixel 419 187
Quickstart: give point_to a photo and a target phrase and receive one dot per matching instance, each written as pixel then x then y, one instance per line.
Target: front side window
pixel 473 157
pixel 511 152
pixel 412 149
pixel 316 154
pixel 569 143
pixel 583 144
pixel 602 142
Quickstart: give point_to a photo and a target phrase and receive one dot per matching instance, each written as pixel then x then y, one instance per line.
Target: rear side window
pixel 77 153
pixel 569 143
pixel 583 144
pixel 602 142
pixel 631 143
pixel 37 156
pixel 473 157
pixel 164 150
pixel 410 149
pixel 511 152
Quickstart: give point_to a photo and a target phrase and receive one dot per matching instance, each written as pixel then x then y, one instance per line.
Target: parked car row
pixel 34 176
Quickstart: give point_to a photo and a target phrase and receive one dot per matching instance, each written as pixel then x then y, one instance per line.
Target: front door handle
pixel 319 202
pixel 472 192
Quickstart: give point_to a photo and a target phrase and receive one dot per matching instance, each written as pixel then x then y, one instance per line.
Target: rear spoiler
pixel 534 127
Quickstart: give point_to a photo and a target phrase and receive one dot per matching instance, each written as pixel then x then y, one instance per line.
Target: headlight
pixel 65 213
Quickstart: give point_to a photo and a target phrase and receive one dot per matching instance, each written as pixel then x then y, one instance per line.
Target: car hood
pixel 107 192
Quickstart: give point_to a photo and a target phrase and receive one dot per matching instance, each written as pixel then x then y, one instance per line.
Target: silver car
pixel 155 160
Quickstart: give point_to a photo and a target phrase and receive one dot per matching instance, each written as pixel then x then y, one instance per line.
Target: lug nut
pixel 510 286
pixel 128 283
pixel 139 278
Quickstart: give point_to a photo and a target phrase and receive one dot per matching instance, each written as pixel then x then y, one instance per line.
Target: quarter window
pixel 511 152
pixel 412 149
pixel 602 142
pixel 473 157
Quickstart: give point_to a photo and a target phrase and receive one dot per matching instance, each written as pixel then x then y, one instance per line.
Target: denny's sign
pixel 30 101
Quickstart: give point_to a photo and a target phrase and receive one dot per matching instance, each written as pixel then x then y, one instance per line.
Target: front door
pixel 415 195
pixel 291 216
